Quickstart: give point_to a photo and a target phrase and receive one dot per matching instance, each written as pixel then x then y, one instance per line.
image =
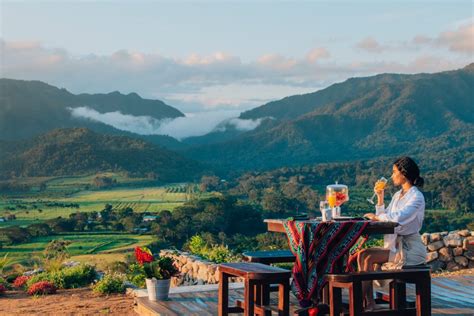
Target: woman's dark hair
pixel 410 170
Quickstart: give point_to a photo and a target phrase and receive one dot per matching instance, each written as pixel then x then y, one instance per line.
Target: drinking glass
pixel 325 211
pixel 379 185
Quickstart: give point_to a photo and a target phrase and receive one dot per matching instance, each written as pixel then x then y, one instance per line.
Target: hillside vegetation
pixel 80 151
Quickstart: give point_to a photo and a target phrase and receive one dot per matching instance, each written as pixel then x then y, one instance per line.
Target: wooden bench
pixel 353 282
pixel 255 276
pixel 269 256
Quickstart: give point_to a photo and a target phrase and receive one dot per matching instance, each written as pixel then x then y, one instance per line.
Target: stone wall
pixel 194 270
pixel 450 251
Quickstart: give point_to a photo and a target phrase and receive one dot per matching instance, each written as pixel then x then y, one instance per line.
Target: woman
pixel 407 208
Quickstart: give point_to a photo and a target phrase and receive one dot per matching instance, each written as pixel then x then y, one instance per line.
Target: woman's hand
pixel 371 216
pixel 380 193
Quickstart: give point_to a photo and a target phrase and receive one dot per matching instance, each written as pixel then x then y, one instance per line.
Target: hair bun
pixel 419 181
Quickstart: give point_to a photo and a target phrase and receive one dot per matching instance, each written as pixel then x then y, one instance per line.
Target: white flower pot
pixel 157 289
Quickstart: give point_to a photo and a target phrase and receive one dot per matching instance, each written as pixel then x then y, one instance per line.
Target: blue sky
pixel 228 56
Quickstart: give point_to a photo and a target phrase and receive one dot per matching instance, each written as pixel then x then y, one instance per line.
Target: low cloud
pixel 193 124
pixel 239 124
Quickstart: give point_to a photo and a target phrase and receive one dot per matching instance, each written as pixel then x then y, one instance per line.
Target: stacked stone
pixel 193 269
pixel 450 251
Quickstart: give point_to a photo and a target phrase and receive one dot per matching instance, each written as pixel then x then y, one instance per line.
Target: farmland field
pixel 85 247
pixel 66 195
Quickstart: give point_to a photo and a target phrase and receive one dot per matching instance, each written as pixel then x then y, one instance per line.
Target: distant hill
pixel 363 118
pixel 30 108
pixel 80 151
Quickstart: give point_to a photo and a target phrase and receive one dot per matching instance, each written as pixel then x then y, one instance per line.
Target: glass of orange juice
pixel 331 198
pixel 379 185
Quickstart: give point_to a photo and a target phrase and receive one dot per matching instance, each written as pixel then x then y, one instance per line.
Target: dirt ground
pixel 66 302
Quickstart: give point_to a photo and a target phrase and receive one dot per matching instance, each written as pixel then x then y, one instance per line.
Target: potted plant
pixel 158 272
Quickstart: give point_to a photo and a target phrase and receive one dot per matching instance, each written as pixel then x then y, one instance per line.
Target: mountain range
pixel 424 115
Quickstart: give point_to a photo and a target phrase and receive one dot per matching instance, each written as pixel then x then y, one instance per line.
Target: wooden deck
pixel 450 296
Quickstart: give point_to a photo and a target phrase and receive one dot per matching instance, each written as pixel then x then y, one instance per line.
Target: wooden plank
pixel 450 296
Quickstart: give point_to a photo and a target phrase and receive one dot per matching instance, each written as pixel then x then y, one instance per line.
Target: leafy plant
pixel 2 289
pixel 42 288
pixel 215 253
pixel 161 268
pixel 4 262
pixel 67 278
pixel 110 283
pixel 136 275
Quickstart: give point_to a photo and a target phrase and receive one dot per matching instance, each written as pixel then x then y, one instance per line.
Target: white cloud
pixel 316 54
pixel 193 124
pixel 216 81
pixel 370 45
pixel 458 40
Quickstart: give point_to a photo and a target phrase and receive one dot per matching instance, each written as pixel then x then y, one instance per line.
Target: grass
pixel 109 246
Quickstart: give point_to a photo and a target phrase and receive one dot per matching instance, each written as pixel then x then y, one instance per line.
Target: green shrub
pixel 110 283
pixel 67 278
pixel 78 276
pixel 136 275
pixel 215 253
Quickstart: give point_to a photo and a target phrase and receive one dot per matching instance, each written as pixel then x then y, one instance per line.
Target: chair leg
pixel 335 300
pixel 223 304
pixel 398 295
pixel 284 298
pixel 248 298
pixel 423 297
pixel 355 298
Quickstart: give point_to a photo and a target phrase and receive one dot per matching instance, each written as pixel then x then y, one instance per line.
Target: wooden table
pixel 276 225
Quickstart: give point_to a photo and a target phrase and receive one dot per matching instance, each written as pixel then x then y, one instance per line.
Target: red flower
pixel 2 289
pixel 42 287
pixel 143 255
pixel 21 281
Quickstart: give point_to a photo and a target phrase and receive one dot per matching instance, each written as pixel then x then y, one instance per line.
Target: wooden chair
pixel 255 275
pixel 398 306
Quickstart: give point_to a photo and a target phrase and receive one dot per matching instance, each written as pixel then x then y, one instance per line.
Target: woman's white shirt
pixel 408 211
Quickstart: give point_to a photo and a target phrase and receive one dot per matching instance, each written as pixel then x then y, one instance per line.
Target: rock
pixel 435 237
pixel 189 266
pixel 431 256
pixel 445 254
pixel 468 243
pixel 443 234
pixel 453 266
pixel 453 240
pixel 471 264
pixel 436 245
pixel 461 260
pixel 425 238
pixel 464 233
pixel 437 266
pixel 458 251
pixel 469 254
